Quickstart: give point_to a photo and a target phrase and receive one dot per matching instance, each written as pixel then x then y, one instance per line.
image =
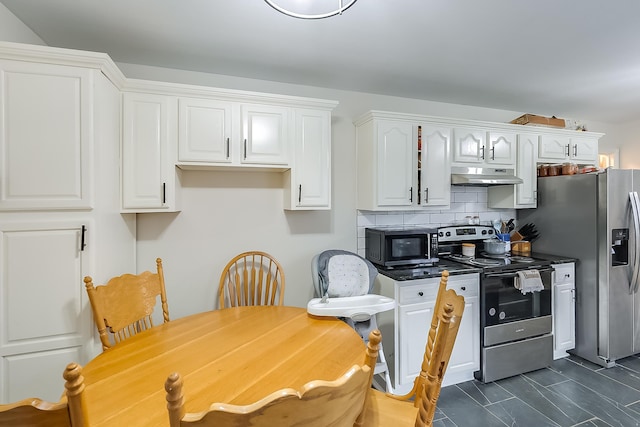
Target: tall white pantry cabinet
pixel 59 211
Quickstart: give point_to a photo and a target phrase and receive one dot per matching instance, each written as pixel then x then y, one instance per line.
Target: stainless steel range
pixel 516 327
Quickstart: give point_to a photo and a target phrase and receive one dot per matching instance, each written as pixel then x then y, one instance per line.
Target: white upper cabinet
pixel 308 183
pixel 469 145
pixel 501 148
pixel 478 147
pixel 148 153
pixel 403 162
pixel 568 147
pixel 519 196
pixel 435 165
pixel 395 167
pixel 46 136
pixel 205 130
pixel 583 150
pixel 265 135
pixel 214 132
pixel 386 167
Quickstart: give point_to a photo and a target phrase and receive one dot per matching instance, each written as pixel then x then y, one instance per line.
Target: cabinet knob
pixel 421 293
pixel 463 288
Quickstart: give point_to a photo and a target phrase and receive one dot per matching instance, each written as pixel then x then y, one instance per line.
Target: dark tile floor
pixel 571 392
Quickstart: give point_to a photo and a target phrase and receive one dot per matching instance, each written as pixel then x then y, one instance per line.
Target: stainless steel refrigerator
pixel 594 219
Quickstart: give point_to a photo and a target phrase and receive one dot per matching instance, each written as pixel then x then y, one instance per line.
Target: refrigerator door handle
pixel 635 208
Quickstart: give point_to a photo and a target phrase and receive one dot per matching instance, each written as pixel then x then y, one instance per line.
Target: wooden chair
pixel 387 409
pixel 319 403
pixel 124 306
pixel 33 412
pixel 251 278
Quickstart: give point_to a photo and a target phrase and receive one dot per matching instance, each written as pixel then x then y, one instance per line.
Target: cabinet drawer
pixel 415 294
pixel 466 285
pixel 564 273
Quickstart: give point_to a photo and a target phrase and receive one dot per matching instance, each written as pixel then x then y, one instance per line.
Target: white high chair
pixel 342 283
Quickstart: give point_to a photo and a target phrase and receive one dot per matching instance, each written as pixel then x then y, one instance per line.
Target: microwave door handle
pixel 635 209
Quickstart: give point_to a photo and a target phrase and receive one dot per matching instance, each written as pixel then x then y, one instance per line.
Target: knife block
pixel 519 246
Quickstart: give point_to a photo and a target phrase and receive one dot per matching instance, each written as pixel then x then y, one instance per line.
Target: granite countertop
pixel 555 259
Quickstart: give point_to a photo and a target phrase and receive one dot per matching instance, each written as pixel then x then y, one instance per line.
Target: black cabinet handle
pixel 411 195
pixel 463 288
pixel 164 193
pixel 568 145
pixel 227 148
pixel 245 148
pixel 421 293
pixel 83 243
pixel 482 151
pixel 299 193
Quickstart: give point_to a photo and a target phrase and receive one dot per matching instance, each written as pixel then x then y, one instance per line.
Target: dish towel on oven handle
pixel 528 281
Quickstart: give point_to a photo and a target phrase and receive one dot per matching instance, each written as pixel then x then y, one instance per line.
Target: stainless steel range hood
pixel 483 176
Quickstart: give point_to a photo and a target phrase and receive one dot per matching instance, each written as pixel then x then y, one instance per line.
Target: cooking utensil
pixel 496 246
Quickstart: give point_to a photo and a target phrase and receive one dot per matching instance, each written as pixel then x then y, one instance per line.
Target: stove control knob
pixel 448 234
pixel 484 231
pixel 440 234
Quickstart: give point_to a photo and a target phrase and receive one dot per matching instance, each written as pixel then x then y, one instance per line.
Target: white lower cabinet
pixel 409 325
pixel 564 299
pixel 45 323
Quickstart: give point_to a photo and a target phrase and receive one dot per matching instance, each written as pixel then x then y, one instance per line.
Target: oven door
pixel 501 302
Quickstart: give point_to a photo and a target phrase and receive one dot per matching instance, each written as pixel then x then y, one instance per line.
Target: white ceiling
pixel 575 59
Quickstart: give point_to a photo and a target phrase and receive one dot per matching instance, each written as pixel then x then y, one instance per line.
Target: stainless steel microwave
pixel 401 247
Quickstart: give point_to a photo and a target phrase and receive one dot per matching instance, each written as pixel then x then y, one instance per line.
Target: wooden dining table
pixel 234 355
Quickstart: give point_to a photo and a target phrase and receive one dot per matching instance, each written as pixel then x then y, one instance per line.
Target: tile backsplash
pixel 465 202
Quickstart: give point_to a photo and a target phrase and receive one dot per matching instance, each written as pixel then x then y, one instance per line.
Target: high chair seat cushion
pixel 345 274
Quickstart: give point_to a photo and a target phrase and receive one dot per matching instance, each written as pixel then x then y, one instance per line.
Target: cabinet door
pixel 412 337
pixel 148 170
pixel 501 149
pixel 46 136
pixel 465 356
pixel 435 166
pixel 396 168
pixel 204 130
pixel 526 170
pixel 44 317
pixel 311 169
pixel 265 134
pixel 563 317
pixel 553 148
pixel 584 150
pixel 469 145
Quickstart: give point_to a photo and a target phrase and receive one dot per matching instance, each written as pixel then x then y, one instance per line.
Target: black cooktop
pixel 427 272
pixel 500 263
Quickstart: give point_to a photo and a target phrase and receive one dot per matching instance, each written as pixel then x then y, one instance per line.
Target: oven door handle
pixel 514 274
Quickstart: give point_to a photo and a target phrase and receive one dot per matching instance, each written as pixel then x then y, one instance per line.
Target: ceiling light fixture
pixel 311 9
